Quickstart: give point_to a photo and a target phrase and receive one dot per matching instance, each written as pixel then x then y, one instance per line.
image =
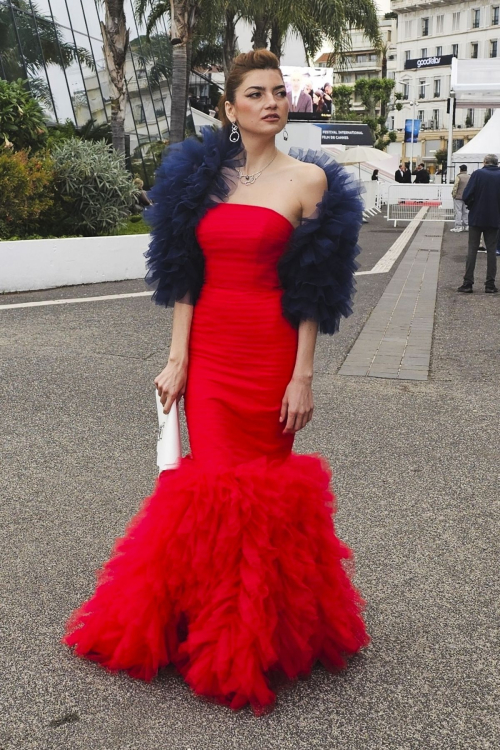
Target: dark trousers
pixel 490 240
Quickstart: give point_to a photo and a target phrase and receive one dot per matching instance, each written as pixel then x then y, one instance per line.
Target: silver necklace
pixel 249 179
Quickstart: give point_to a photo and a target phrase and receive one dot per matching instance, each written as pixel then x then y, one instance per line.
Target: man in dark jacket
pixel 399 173
pixel 422 176
pixel 482 198
pixel 407 173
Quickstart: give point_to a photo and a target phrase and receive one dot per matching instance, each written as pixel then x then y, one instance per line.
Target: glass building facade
pixel 57 46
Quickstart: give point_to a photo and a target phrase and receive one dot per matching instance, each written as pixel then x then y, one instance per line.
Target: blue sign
pixel 411 133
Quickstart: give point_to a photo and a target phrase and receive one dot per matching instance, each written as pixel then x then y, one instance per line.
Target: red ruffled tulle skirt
pixel 231 571
pixel 228 577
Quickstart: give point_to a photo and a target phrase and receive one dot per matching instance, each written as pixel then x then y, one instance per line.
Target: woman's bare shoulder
pixel 309 175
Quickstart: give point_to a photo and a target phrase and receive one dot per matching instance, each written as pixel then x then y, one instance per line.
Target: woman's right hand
pixel 171 383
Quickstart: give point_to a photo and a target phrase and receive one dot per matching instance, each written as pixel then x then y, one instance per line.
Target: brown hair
pixel 257 59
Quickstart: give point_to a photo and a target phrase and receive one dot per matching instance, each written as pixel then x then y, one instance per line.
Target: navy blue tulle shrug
pixel 316 270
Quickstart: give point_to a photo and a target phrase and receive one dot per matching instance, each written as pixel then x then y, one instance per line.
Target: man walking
pixel 461 212
pixel 482 198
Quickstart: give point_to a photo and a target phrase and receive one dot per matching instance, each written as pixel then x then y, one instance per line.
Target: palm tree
pixel 115 36
pixel 41 43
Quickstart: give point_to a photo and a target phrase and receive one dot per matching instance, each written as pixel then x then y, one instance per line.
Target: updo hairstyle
pixel 257 59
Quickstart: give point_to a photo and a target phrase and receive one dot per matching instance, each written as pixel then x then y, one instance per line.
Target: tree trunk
pixel 115 37
pixel 230 41
pixel 179 78
pixel 260 31
pixel 183 15
pixel 276 44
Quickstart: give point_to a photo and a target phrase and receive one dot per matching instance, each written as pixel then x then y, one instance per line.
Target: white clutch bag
pixel 168 449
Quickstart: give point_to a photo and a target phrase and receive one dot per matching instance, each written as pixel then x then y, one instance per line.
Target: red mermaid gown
pixel 231 570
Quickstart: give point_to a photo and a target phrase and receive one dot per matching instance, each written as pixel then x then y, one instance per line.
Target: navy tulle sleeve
pixel 317 270
pixel 193 175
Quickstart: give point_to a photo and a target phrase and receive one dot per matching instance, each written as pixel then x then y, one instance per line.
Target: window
pixel 469 120
pixel 423 52
pixel 391 123
pixel 455 26
pixel 495 13
pixel 406 90
pixel 425 27
pixel 347 78
pixel 421 91
pixel 439 24
pixel 474 47
pixel 439 51
pixel 437 88
pixel 454 50
pixel 420 115
pixel 435 118
pixel 476 18
pixel 493 48
pixel 407 54
pixel 408 29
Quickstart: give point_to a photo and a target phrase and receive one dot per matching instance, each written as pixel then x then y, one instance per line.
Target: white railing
pixel 405 201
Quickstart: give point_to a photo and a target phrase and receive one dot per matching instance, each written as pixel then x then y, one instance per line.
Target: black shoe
pixel 490 289
pixel 467 288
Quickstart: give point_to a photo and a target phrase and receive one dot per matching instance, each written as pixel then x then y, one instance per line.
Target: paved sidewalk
pixel 396 340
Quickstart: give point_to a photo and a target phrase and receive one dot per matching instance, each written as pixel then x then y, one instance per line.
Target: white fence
pixel 405 201
pixel 43 264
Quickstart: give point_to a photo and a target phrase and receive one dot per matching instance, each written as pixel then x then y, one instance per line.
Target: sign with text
pixel 345 134
pixel 428 62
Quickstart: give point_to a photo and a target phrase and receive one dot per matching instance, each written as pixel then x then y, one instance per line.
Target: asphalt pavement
pixel 416 475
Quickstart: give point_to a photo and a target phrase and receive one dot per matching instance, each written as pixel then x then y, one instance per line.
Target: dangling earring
pixel 234 135
pixel 285 134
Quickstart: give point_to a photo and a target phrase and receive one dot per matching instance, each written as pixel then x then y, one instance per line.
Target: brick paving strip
pixel 396 340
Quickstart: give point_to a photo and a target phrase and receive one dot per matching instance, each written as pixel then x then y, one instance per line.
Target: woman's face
pixel 315 98
pixel 260 105
pixel 328 89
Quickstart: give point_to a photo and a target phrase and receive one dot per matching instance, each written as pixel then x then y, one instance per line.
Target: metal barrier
pixel 405 201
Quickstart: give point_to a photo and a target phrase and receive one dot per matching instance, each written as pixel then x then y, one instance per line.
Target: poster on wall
pixel 412 129
pixel 308 91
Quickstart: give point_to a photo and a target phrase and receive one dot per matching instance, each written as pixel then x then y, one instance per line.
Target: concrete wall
pixel 43 264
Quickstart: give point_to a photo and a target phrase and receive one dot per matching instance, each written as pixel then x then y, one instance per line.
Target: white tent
pixel 487 141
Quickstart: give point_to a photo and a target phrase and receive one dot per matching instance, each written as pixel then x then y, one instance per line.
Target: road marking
pixel 384 265
pixel 44 303
pixel 387 261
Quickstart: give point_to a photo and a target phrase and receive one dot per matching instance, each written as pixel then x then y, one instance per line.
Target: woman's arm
pixel 297 405
pixel 171 382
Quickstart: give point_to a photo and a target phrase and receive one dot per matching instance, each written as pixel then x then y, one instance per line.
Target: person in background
pixel 461 212
pixel 407 173
pixel 141 199
pixel 319 105
pixel 327 97
pixel 298 100
pixel 422 176
pixel 308 88
pixel 399 173
pixel 375 174
pixel 482 198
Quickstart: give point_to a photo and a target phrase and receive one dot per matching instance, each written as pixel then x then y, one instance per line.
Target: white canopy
pixel 487 141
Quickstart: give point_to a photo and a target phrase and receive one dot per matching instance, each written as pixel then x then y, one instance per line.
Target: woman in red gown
pixel 232 570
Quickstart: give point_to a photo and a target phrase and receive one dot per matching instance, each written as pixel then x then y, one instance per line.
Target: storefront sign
pixel 345 133
pixel 428 62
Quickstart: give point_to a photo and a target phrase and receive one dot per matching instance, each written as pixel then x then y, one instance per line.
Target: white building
pixel 430 33
pixel 363 60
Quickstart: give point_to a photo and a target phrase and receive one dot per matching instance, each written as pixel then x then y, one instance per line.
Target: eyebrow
pixel 263 88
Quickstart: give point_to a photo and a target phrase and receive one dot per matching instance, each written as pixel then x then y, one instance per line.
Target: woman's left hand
pixel 297 405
